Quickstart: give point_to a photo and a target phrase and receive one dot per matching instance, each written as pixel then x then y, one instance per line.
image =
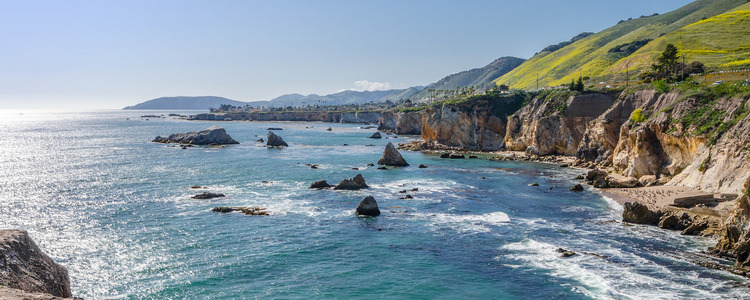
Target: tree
pixel 503 87
pixel 579 84
pixel 666 62
pixel 572 86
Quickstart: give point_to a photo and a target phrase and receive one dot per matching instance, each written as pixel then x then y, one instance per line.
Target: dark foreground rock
pixel 320 184
pixel 213 135
pixel 391 157
pixel 577 188
pixel 207 195
pixel 376 135
pixel 275 140
pixel 356 183
pixel 639 214
pixel 25 267
pixel 368 207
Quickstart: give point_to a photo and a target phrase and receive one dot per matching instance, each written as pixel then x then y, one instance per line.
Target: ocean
pixel 116 210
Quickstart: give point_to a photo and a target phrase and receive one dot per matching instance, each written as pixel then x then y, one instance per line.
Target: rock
pixel 402 192
pixel 533 184
pixel 25 267
pixel 376 135
pixel 616 181
pixel 473 156
pixel 647 180
pixel 564 166
pixel 382 168
pixel 313 166
pixel 579 177
pixel 274 128
pixel 260 140
pixel 669 222
pixel 565 253
pixel 456 156
pixel 329 129
pixel 695 228
pixel 251 211
pixel 445 155
pixel 577 188
pixel 408 197
pixel 637 213
pixel 320 184
pixel 207 195
pixel 275 140
pixel 595 174
pixel 356 183
pixel 391 157
pixel 196 187
pixel 368 207
pixel 422 166
pixel 213 135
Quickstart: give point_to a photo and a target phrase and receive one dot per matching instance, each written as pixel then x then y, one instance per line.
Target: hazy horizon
pixel 101 55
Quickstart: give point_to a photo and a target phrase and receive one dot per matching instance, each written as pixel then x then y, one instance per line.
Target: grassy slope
pixel 589 56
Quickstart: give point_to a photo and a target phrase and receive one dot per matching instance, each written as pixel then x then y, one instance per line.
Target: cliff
pixel 24 269
pixel 401 122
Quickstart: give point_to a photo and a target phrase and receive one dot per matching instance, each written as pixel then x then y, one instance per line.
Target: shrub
pixel 661 86
pixel 637 116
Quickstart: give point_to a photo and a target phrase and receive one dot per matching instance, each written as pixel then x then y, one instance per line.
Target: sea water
pixel 116 210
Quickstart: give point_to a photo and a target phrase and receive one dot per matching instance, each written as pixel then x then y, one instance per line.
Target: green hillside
pixel 479 77
pixel 602 56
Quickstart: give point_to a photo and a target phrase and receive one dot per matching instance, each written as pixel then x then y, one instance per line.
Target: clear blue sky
pixel 109 54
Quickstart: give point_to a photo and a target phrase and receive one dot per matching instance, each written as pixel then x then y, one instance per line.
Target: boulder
pixel 207 195
pixel 376 135
pixel 329 129
pixel 422 166
pixel 647 180
pixel 445 155
pixel 356 183
pixel 320 184
pixel 637 213
pixel 368 207
pixel 616 181
pixel 577 188
pixel 391 157
pixel 456 156
pixel 260 140
pixel 695 228
pixel 275 140
pixel 25 267
pixel 213 135
pixel 274 128
pixel 595 174
pixel 669 222
pixel 533 184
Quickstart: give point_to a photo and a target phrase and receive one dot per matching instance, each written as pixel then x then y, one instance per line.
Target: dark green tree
pixel 665 64
pixel 579 84
pixel 572 86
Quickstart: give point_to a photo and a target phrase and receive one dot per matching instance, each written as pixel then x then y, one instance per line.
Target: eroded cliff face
pixel 474 125
pixel 734 238
pixel 555 123
pixel 402 122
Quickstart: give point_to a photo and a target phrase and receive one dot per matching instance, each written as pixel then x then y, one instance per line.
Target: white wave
pixel 477 223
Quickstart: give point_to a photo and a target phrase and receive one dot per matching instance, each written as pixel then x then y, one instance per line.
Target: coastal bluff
pixel 28 273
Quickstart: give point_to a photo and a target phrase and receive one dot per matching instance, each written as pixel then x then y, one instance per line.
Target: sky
pixel 109 54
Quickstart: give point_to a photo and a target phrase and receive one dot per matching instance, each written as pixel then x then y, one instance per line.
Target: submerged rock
pixel 356 183
pixel 456 156
pixel 248 210
pixel 25 267
pixel 368 207
pixel 565 253
pixel 445 155
pixel 213 135
pixel 422 166
pixel 577 188
pixel 274 128
pixel 391 157
pixel 376 135
pixel 275 140
pixel 207 195
pixel 320 184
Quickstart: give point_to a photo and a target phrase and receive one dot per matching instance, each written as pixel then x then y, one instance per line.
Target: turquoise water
pixel 115 209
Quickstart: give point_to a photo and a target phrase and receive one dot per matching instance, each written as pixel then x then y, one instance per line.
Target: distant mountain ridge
pixel 185 102
pixel 481 77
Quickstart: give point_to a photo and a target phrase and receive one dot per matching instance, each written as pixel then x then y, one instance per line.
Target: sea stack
pixel 275 140
pixel 376 135
pixel 213 135
pixel 368 207
pixel 356 183
pixel 391 157
pixel 25 267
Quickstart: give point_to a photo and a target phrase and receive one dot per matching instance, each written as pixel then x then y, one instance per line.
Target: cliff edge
pixel 25 268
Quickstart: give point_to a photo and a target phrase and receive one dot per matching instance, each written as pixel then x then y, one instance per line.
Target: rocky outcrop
pixel 637 213
pixel 207 195
pixel 391 157
pixel 320 184
pixel 356 183
pixel 25 267
pixel 734 236
pixel 402 122
pixel 376 135
pixel 368 207
pixel 213 135
pixel 274 140
pixel 248 210
pixel 555 123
